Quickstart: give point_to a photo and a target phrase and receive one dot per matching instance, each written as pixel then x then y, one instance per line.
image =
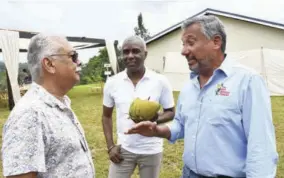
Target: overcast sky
pixel 115 19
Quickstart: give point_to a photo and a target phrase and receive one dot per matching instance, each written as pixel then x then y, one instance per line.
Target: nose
pixel 79 63
pixel 185 50
pixel 130 55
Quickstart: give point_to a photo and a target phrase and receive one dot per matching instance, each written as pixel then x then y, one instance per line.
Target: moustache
pixel 189 58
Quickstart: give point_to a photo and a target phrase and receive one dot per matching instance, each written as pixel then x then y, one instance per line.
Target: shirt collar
pixel 49 99
pixel 146 75
pixel 225 67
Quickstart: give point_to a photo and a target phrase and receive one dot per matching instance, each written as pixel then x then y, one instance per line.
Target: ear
pixel 48 65
pixel 217 40
pixel 146 53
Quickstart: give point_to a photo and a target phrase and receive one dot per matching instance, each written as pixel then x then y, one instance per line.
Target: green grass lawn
pixel 87 104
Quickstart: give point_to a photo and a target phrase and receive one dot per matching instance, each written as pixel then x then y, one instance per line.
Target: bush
pixel 3 103
pixel 3 99
pixel 85 80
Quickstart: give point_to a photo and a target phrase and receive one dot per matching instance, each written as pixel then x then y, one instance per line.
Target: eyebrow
pixel 190 36
pixel 134 48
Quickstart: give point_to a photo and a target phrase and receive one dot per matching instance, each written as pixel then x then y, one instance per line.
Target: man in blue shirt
pixel 223 112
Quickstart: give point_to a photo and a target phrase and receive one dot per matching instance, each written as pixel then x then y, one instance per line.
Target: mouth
pixel 191 62
pixel 132 64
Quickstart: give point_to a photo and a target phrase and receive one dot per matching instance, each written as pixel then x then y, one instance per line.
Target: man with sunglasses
pixel 42 137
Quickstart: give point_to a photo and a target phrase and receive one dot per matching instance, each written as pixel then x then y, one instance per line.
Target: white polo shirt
pixel 119 91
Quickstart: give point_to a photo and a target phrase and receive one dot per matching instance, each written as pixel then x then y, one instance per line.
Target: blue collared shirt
pixel 227 125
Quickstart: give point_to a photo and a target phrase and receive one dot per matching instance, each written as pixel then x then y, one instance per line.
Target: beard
pixel 197 65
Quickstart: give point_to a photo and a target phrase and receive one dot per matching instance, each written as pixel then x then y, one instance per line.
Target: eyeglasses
pixel 73 54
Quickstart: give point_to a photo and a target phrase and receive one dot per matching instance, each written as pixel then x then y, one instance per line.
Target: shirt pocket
pixel 222 110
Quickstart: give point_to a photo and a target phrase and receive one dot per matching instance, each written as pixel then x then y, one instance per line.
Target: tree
pixel 24 75
pixel 93 71
pixel 2 66
pixel 3 81
pixel 120 62
pixel 141 30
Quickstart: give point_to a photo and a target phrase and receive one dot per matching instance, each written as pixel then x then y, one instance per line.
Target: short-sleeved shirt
pixel 119 91
pixel 42 134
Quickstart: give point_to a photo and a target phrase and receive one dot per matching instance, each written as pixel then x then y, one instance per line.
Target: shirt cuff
pixel 175 130
pixel 171 105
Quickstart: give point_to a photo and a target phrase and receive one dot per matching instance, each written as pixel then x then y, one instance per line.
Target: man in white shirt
pixel 42 137
pixel 120 90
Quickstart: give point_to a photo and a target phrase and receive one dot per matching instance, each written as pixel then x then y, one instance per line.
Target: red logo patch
pixel 222 90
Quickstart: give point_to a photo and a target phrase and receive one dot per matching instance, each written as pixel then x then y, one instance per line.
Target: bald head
pixel 134 53
pixel 137 40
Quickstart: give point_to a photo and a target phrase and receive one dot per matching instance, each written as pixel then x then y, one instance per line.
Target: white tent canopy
pixel 24 43
pixel 9 43
pixel 12 42
pixel 76 42
pixel 268 62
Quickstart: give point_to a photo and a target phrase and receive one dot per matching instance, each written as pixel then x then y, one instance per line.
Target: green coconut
pixel 143 110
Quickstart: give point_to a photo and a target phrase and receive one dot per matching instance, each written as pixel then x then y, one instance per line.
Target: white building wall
pixel 241 36
pixel 244 40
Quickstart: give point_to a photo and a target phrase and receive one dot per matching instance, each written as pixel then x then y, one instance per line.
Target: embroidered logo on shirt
pixel 222 90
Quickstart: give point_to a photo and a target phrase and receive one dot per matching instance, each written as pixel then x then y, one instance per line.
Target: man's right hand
pixel 114 154
pixel 145 128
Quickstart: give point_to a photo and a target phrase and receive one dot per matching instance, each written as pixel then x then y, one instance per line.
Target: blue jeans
pixel 187 173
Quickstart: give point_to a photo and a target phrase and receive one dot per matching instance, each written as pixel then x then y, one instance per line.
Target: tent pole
pixel 10 94
pixel 263 68
pixel 116 52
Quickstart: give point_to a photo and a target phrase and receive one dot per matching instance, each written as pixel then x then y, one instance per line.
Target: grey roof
pixel 209 11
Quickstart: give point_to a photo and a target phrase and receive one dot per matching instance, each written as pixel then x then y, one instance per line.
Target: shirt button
pixel 193 137
pixel 192 154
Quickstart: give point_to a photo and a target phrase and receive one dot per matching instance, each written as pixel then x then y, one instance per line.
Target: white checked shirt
pixel 43 135
pixel 119 91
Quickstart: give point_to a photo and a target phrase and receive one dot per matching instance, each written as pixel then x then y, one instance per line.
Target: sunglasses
pixel 73 54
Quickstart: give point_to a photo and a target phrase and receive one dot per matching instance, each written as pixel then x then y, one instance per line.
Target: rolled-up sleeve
pixel 23 144
pixel 108 100
pixel 177 125
pixel 262 155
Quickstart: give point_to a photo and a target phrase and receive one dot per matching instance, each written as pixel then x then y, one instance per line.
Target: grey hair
pixel 41 46
pixel 136 39
pixel 210 25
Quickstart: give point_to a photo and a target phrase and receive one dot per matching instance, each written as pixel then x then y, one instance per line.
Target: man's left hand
pixel 155 118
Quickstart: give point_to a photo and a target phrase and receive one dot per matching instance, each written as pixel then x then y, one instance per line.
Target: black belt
pixel 219 176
